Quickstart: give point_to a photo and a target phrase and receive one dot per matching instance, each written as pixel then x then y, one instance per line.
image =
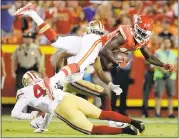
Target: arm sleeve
pixel 18 108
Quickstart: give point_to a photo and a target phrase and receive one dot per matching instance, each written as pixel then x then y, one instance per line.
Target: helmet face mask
pixel 142 28
pixel 31 78
pixel 140 35
pixel 95 27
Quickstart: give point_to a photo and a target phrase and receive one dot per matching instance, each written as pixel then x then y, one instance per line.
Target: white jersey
pixel 85 50
pixel 36 97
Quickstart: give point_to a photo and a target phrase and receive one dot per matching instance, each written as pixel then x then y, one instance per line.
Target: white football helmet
pixel 95 27
pixel 31 77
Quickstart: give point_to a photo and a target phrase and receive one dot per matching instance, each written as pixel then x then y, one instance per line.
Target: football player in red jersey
pixel 129 38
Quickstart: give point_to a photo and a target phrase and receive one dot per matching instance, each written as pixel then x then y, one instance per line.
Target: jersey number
pixel 38 91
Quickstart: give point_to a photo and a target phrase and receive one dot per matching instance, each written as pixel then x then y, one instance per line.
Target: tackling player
pixel 75 114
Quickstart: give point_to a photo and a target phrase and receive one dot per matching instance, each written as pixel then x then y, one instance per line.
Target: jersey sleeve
pixel 108 36
pixel 18 108
pixel 122 30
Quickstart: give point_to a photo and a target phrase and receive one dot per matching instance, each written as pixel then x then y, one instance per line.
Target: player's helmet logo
pixel 143 26
pixel 31 77
pixel 95 27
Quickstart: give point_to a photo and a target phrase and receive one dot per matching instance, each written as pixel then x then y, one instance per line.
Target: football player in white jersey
pixel 33 94
pixel 84 49
pixel 69 108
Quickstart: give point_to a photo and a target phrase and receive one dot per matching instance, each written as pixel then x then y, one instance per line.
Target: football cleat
pixel 25 9
pixel 139 125
pixel 131 130
pixel 39 130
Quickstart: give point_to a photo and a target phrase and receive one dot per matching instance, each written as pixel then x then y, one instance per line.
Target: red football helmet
pixel 143 26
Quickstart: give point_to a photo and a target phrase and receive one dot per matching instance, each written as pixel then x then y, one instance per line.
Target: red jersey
pixel 129 40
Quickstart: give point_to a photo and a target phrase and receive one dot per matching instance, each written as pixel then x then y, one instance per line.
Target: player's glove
pixel 34 114
pixel 169 67
pixel 115 88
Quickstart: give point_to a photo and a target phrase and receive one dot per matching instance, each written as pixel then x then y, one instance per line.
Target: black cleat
pixel 139 125
pixel 130 129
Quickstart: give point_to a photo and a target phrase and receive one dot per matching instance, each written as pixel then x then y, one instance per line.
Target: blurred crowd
pixel 71 18
pixel 64 16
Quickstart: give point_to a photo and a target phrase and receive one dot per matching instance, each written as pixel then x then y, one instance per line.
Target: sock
pixel 37 19
pixel 44 27
pixel 114 116
pixel 48 32
pixel 102 129
pixel 65 71
pixel 106 103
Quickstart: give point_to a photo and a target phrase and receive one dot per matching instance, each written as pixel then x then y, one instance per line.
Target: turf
pixel 160 127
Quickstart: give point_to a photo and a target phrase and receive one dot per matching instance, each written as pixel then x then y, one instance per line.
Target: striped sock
pixel 48 32
pixel 65 71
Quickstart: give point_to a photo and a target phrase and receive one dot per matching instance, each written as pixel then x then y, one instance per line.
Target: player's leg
pixel 92 111
pixel 75 118
pixel 67 111
pixel 29 10
pixel 88 88
pixel 70 43
pixel 114 116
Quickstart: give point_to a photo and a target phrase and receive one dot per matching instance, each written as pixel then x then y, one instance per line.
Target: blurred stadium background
pixel 70 18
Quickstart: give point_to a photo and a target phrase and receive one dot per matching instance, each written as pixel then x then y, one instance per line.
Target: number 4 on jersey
pixel 39 91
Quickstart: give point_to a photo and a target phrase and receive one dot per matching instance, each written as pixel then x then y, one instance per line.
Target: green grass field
pixel 159 127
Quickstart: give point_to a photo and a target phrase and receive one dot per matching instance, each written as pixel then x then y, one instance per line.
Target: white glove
pixel 115 88
pixel 34 114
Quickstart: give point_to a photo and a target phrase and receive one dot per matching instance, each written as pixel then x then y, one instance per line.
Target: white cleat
pixel 35 125
pixel 39 130
pixel 117 124
pixel 25 9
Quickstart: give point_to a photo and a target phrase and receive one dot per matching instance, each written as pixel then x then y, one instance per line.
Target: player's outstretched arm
pixel 102 76
pixel 18 108
pixel 154 60
pixel 99 71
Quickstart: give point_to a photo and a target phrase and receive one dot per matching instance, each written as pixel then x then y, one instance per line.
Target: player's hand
pixel 169 67
pixel 115 88
pixel 34 114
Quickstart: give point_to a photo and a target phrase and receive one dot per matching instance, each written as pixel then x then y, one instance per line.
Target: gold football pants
pixel 74 110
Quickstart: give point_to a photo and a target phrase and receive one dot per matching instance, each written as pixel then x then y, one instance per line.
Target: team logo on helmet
pixel 31 78
pixel 95 27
